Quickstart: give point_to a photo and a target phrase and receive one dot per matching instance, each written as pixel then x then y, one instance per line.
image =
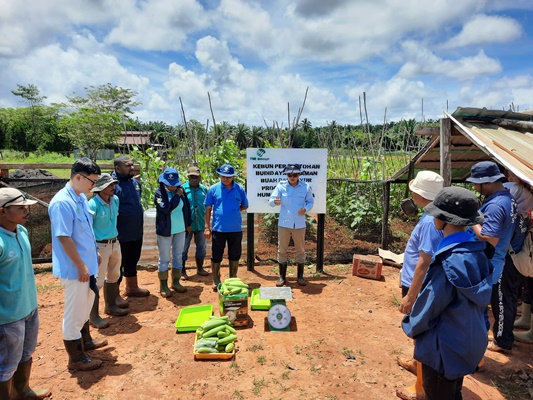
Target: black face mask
pixel 409 207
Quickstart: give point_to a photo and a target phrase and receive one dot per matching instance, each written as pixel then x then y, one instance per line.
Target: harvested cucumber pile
pixel 233 286
pixel 215 336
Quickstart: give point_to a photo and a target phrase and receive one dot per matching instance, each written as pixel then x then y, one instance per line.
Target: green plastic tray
pixel 190 318
pixel 256 303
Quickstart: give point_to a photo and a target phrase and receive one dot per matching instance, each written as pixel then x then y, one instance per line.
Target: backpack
pixel 523 259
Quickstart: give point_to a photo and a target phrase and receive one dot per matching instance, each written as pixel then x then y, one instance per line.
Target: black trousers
pixel 234 241
pixel 437 387
pixel 131 253
pixel 503 304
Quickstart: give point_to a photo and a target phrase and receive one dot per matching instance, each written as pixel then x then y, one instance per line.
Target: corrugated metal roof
pixel 473 141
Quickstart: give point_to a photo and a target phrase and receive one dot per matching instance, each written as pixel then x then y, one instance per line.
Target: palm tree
pixel 306 124
pixel 257 137
pixel 242 136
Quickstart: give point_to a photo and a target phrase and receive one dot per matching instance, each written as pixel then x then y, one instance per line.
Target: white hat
pixel 13 197
pixel 427 184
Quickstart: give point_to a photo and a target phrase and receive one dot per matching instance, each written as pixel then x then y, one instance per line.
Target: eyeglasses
pixel 293 175
pixel 89 179
pixel 15 199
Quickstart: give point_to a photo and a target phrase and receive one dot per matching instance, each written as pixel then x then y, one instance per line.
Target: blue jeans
pixel 199 241
pixel 17 343
pixel 165 244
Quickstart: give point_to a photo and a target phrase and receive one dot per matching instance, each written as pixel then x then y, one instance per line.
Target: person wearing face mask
pixel 420 248
pixel 447 320
pixel 172 224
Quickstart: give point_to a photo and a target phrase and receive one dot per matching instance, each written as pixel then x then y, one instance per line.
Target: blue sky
pixel 255 57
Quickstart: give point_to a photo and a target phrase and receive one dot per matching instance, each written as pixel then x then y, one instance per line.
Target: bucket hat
pixel 292 169
pixel 170 177
pixel 456 206
pixel 13 197
pixel 226 170
pixel 102 182
pixel 427 184
pixel 485 172
pixel 194 171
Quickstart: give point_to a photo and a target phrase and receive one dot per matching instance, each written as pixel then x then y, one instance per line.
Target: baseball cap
pixel 13 197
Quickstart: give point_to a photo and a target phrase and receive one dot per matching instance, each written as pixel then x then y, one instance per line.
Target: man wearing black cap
pixel 295 198
pixel 500 212
pixel 448 317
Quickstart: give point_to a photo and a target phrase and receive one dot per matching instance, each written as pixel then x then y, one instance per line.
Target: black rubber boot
pixel 94 316
pixel 184 275
pixel 282 274
pixel 215 267
pixel 110 299
pixel 301 280
pixel 88 342
pixel 21 383
pixel 77 359
pixel 6 389
pixel 233 268
pixel 200 267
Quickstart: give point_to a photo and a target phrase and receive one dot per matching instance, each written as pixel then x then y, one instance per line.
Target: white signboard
pixel 264 170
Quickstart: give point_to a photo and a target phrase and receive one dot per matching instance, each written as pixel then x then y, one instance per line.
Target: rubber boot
pixel 215 268
pixel 409 364
pixel 176 285
pixel 119 300
pixel 94 316
pixel 88 342
pixel 233 268
pixel 184 275
pixel 200 267
pixel 6 389
pixel 301 280
pixel 21 383
pixel 525 319
pixel 415 392
pixel 110 299
pixel 164 291
pixel 133 289
pixel 77 359
pixel 282 274
pixel 526 336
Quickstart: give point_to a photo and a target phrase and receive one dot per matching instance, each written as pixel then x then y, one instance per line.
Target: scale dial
pixel 279 316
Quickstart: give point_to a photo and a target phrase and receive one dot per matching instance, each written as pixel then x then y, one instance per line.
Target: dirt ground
pixel 346 340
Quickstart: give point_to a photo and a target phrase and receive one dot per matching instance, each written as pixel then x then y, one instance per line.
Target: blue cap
pixel 292 169
pixel 485 172
pixel 170 177
pixel 226 170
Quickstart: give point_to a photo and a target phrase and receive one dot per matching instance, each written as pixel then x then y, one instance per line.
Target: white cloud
pixel 485 29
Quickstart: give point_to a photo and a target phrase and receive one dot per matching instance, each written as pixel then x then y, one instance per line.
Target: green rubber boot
pixel 164 291
pixel 176 285
pixel 233 268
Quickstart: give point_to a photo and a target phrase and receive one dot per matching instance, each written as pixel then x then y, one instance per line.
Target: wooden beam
pixel 512 152
pixel 435 165
pixel 445 152
pixel 511 123
pixel 427 131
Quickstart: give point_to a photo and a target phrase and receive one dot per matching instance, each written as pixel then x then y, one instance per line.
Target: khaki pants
pixel 284 237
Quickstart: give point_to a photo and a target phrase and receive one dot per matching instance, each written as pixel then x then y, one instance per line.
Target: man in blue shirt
pixel 225 200
pixel 295 198
pixel 104 205
pixel 75 261
pixel 196 193
pixel 19 315
pixel 499 209
pixel 130 226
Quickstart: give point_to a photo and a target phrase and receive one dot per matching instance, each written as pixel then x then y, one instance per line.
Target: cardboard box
pixel 235 306
pixel 367 266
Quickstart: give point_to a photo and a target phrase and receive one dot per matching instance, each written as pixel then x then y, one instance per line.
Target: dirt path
pixel 336 315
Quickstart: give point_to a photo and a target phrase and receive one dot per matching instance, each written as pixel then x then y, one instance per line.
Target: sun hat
pixel 193 171
pixel 13 197
pixel 456 206
pixel 226 170
pixel 427 184
pixel 102 182
pixel 170 177
pixel 485 172
pixel 292 169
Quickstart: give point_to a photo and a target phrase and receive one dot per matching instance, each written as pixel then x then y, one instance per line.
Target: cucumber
pixel 227 339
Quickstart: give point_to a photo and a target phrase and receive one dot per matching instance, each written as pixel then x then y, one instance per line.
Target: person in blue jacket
pixel 172 223
pixel 295 199
pixel 448 318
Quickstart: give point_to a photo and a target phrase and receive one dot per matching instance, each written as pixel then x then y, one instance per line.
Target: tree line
pixel 95 120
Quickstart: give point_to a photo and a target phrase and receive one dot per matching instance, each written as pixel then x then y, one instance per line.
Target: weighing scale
pixel 279 316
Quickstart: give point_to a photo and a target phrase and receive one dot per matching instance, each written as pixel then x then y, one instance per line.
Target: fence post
pixel 385 220
pixel 250 238
pixel 320 243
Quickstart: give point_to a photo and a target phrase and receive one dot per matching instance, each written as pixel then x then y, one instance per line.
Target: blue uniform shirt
pixel 104 217
pixel 130 211
pixel 70 216
pixel 196 198
pixel 425 237
pixel 292 199
pixel 226 205
pixel 18 295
